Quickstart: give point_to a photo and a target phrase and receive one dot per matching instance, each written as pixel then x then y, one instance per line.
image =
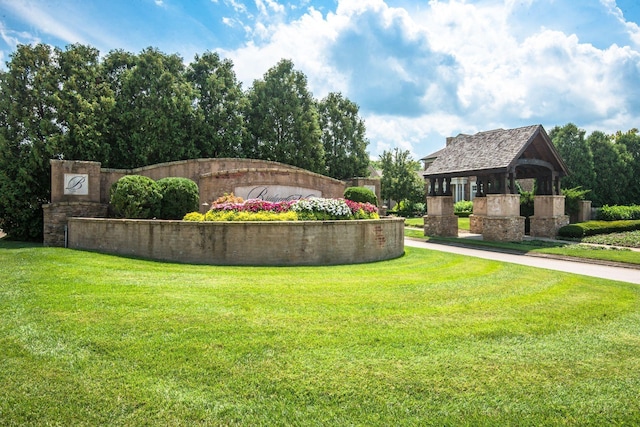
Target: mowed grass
pixel 426 339
pixel 596 248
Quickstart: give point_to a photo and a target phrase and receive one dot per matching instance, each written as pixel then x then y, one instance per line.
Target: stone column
pixel 478 215
pixel 75 192
pixel 440 219
pixel 584 210
pixel 548 216
pixel 503 222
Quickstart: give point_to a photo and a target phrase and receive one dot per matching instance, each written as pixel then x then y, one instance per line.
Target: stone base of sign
pixel 475 223
pixel 503 229
pixel 56 216
pixel 547 227
pixel 243 243
pixel 441 225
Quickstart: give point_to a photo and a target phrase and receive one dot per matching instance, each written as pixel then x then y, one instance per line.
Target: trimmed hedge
pixel 135 196
pixel 463 208
pixel 591 228
pixel 360 194
pixel 179 197
pixel 614 213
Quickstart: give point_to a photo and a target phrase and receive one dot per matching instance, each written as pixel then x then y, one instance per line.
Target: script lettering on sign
pixel 275 193
pixel 76 184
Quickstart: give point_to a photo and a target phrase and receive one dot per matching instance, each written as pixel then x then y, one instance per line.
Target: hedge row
pixel 140 197
pixel 591 228
pixel 615 213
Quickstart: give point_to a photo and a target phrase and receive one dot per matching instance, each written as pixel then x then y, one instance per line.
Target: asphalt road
pixel 631 275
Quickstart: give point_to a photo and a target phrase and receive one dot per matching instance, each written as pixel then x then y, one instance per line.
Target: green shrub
pixel 614 213
pixel 408 209
pixel 231 215
pixel 463 208
pixel 361 194
pixel 135 196
pixel 193 216
pixel 591 228
pixel 526 203
pixel 179 196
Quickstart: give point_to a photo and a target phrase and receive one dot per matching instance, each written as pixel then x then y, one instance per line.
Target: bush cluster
pixel 591 228
pixel 463 208
pixel 409 209
pixel 615 213
pixel 140 197
pixel 179 196
pixel 135 196
pixel 360 194
pixel 250 216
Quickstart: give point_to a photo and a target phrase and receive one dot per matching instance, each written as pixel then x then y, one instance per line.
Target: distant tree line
pixel 606 165
pixel 130 110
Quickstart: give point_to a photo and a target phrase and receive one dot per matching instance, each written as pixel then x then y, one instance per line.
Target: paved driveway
pixel 631 275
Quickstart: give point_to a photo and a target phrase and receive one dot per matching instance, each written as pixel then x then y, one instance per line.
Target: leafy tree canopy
pixel 129 110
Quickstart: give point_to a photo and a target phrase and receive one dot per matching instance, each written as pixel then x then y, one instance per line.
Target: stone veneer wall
pixel 440 219
pixel 56 216
pixel 214 177
pixel 243 243
pixel 218 176
pixel 479 212
pixel 503 229
pixel 548 216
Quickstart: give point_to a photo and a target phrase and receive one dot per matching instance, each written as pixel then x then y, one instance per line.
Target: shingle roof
pixel 433 155
pixel 494 150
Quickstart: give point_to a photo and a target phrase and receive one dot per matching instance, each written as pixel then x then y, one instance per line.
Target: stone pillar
pixel 478 215
pixel 548 216
pixel 503 222
pixel 440 219
pixel 75 192
pixel 584 211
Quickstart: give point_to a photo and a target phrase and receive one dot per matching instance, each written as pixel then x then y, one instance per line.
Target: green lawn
pixel 427 339
pixel 463 223
pixel 568 249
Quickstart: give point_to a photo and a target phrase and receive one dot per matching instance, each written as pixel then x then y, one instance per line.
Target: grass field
pixel 427 339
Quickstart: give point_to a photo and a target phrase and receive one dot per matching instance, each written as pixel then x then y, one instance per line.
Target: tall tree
pixel 613 170
pixel 219 126
pixel 631 141
pixel 28 131
pixel 577 155
pixel 83 104
pixel 282 120
pixel 343 137
pixel 152 119
pixel 399 178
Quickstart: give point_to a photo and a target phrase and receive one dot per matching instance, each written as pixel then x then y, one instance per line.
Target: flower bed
pixel 313 209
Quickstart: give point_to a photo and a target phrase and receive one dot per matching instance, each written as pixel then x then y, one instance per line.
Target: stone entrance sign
pixel 275 193
pixel 76 184
pixel 81 189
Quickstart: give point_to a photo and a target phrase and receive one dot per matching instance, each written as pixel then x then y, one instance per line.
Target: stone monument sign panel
pixel 76 184
pixel 275 193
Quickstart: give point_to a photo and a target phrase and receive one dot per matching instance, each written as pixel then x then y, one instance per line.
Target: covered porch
pixel 497 159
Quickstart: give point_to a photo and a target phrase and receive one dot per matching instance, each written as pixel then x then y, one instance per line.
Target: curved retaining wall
pixel 242 243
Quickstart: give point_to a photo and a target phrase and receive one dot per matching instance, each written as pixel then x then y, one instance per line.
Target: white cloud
pixel 38 17
pixel 454 68
pixel 632 28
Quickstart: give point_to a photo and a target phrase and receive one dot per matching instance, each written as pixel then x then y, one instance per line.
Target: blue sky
pixel 419 70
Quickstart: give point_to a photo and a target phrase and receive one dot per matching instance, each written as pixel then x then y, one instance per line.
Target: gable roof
pixel 498 151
